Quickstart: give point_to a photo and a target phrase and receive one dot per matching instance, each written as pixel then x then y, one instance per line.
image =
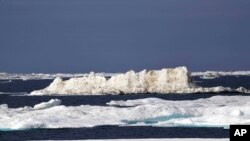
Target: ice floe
pixel 44 105
pixel 217 111
pixel 216 74
pixel 38 76
pixel 169 80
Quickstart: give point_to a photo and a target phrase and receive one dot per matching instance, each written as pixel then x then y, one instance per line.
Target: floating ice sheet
pixel 38 76
pixel 217 111
pixel 215 74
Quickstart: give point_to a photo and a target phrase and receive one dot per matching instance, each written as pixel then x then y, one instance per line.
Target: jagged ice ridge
pixel 168 80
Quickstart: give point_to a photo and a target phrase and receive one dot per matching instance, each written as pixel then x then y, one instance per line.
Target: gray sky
pixel 119 35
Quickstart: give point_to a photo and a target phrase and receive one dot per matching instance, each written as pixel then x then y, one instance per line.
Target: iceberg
pixel 168 80
pixel 216 111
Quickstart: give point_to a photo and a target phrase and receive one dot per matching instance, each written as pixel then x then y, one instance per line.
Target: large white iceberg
pixel 217 111
pixel 171 80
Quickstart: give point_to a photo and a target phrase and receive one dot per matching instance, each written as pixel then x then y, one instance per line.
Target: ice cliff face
pixel 171 80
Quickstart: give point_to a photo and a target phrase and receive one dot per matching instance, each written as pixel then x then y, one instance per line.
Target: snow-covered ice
pixel 171 80
pixel 38 76
pixel 44 105
pixel 215 74
pixel 217 111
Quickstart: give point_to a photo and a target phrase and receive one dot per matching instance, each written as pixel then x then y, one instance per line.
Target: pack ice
pixel 217 111
pixel 171 80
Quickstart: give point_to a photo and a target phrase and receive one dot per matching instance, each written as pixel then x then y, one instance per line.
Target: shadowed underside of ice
pixel 172 80
pixel 217 111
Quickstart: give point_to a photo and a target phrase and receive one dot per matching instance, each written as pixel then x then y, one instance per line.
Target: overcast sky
pixel 119 35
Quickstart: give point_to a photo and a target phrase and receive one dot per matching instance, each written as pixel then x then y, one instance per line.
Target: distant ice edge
pixel 221 73
pixel 164 81
pixel 39 76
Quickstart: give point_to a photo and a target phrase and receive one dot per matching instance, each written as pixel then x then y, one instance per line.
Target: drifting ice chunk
pixel 175 80
pixel 44 105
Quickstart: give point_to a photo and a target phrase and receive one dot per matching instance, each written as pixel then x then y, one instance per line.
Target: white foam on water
pixel 217 111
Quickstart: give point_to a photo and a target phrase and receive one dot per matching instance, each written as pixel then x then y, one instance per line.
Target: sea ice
pixel 217 111
pixel 172 80
pixel 38 76
pixel 215 74
pixel 44 105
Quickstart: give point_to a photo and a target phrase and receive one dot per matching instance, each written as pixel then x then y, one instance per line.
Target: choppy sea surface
pixel 13 93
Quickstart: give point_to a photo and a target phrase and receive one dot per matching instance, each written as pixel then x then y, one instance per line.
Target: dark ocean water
pixel 14 99
pixel 114 132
